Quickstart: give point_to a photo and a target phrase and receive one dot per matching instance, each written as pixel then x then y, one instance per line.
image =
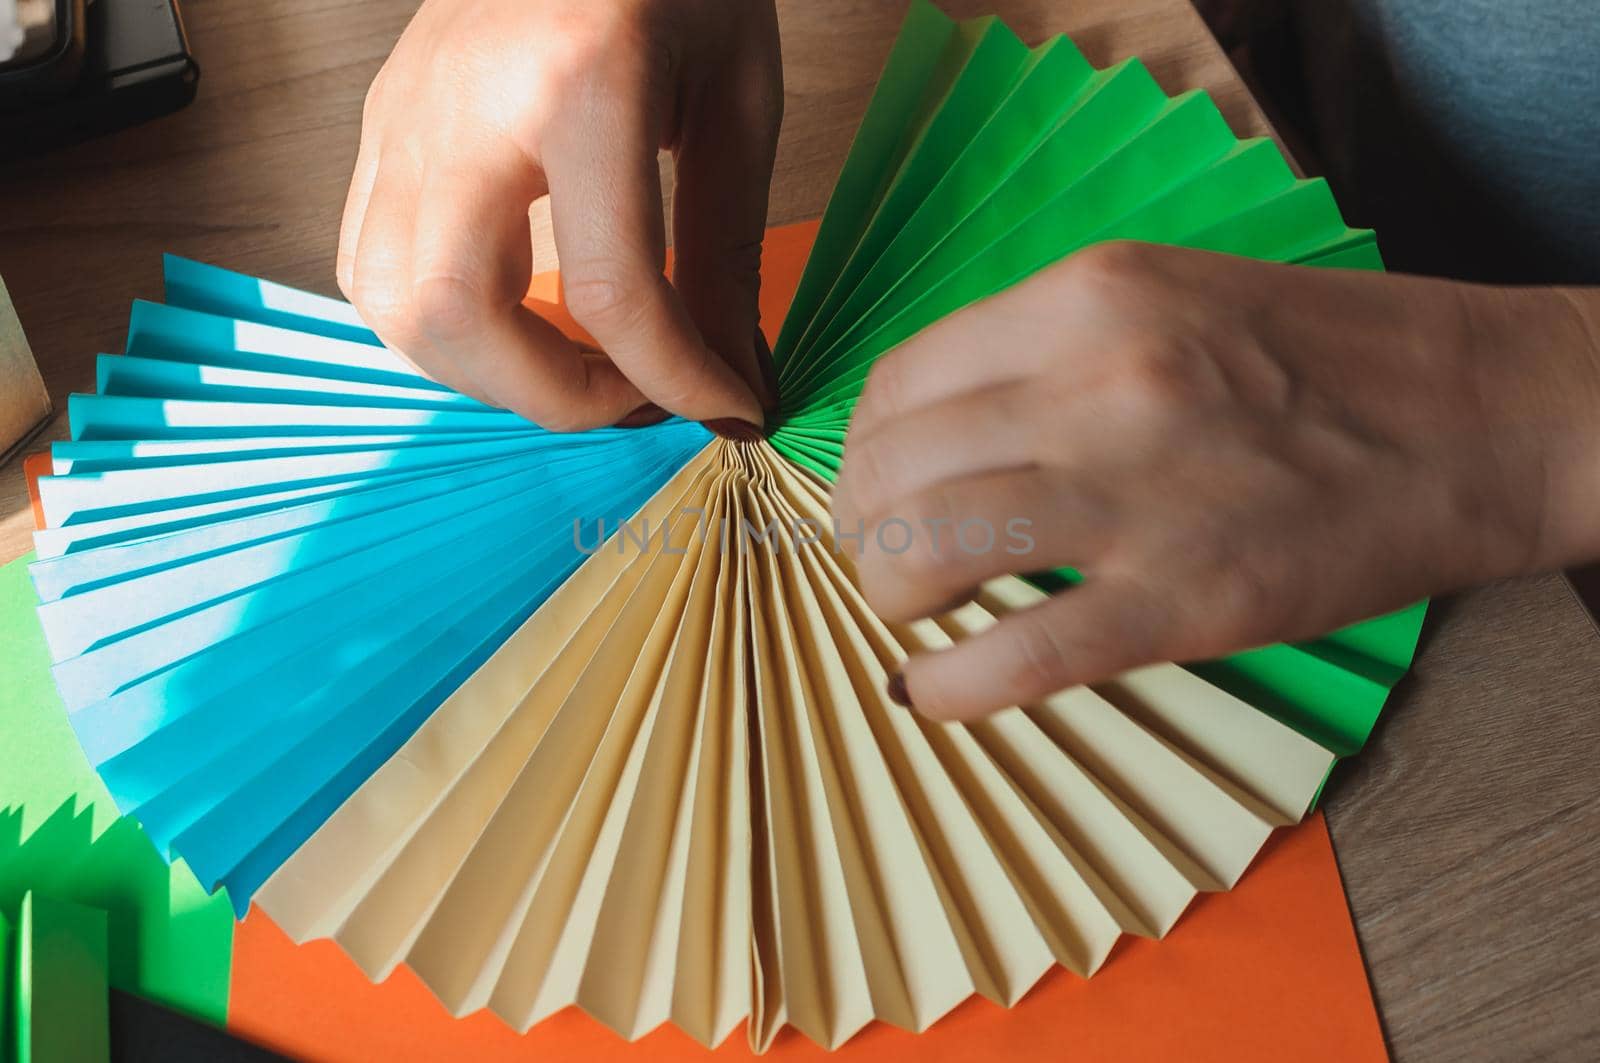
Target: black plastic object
pixel 56 68
pixel 116 63
pixel 142 1032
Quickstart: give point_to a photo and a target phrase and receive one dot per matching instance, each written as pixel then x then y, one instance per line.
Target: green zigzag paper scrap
pixel 60 836
pixel 53 974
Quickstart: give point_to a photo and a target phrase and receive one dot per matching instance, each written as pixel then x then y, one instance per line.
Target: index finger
pixel 605 205
pixel 471 259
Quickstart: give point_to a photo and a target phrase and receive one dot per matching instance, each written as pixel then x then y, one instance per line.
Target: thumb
pixel 726 145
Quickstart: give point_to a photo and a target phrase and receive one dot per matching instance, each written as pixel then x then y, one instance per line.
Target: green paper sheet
pixel 8 961
pixel 60 993
pixel 59 834
pixel 976 166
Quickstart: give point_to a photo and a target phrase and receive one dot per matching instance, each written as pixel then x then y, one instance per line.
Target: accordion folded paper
pixel 337 636
pixel 753 799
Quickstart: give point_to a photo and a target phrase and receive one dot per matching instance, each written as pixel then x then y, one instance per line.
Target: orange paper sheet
pixel 33 467
pixel 1270 971
pixel 783 258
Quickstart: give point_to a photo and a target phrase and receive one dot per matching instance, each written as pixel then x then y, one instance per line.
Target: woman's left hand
pixel 1231 452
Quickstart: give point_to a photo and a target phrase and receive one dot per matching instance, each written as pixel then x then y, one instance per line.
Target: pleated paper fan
pixel 754 799
pixel 350 644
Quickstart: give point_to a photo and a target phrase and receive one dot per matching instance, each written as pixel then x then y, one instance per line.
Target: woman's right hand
pixel 486 105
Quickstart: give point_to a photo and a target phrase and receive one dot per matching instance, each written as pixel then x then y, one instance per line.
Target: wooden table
pixel 1466 832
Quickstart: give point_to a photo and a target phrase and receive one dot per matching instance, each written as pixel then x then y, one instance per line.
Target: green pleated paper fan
pixel 980 162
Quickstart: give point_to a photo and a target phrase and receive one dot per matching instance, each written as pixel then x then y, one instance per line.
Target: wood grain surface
pixel 1466 831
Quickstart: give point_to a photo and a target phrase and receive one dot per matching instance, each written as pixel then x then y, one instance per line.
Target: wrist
pixel 1538 355
pixel 1579 465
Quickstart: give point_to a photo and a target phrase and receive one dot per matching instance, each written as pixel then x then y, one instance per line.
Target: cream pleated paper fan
pixel 678 793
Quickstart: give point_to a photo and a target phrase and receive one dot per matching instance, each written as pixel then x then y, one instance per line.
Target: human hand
pixel 486 105
pixel 1231 452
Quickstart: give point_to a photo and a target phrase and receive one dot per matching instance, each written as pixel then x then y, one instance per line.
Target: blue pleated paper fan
pixel 274 549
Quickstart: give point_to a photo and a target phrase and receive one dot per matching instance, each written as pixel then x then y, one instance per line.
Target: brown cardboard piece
pixel 24 403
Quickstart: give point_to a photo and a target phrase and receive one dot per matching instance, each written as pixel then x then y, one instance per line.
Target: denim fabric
pixel 1466 131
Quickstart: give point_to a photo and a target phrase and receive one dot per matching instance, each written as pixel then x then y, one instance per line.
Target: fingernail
pixel 645 415
pixel 739 431
pixel 896 689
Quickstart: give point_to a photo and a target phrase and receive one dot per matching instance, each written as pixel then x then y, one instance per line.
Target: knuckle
pixel 927 530
pixel 868 480
pixel 345 273
pixel 602 47
pixel 582 48
pixel 919 563
pixel 935 513
pixel 372 103
pixel 1260 601
pixel 1038 660
pixel 880 588
pixel 885 386
pixel 608 296
pixel 760 104
pixel 767 110
pixel 1162 374
pixel 384 308
pixel 447 306
pixel 1116 266
pixel 1150 625
pixel 629 25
